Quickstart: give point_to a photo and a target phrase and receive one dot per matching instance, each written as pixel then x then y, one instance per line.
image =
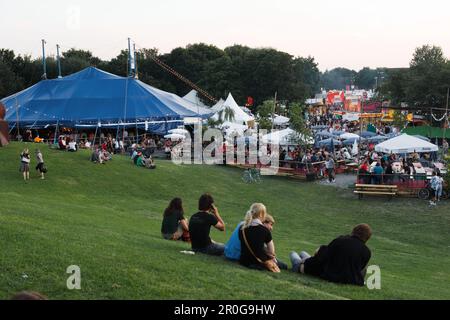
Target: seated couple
pixel 344 260
pixel 251 242
pixel 141 161
pixel 175 226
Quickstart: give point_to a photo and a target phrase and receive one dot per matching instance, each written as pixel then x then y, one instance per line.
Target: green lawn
pixel 106 219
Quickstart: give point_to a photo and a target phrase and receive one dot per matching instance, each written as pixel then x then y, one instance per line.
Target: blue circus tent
pixel 92 97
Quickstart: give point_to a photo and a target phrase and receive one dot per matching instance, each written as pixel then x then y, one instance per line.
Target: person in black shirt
pixel 344 260
pixel 200 225
pixel 259 245
pixel 174 225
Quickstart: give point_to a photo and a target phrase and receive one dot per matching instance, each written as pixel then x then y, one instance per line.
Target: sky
pixel 346 33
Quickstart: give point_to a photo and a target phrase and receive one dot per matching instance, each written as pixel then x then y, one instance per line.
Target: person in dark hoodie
pixel 344 260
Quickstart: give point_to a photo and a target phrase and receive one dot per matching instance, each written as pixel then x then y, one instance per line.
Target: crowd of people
pixel 343 260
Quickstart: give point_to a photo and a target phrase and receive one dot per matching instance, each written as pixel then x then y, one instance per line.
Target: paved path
pixel 342 181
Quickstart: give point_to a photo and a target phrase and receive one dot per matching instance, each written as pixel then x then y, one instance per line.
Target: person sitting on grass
pixel 142 161
pixel 105 156
pixel 62 143
pixel 257 246
pixel 95 156
pixel 344 260
pixel 233 246
pixel 72 146
pixel 200 225
pixel 174 225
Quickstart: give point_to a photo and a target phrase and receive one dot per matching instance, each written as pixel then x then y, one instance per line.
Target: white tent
pixel 239 115
pixel 193 98
pixel 179 131
pixel 175 136
pixel 348 135
pixel 284 137
pixel 280 120
pixel 230 127
pixel 405 144
pixel 218 105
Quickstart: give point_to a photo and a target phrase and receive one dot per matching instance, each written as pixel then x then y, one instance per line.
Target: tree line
pixel 244 71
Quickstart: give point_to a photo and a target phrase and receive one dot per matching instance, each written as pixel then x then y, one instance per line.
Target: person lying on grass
pixel 344 260
pixel 200 226
pixel 174 225
pixel 233 246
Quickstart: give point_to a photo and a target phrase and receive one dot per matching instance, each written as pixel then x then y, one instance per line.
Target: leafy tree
pixel 226 114
pixel 399 120
pixel 265 112
pixel 365 78
pixel 394 89
pixel 428 79
pixel 338 78
pixel 298 123
pixel 9 82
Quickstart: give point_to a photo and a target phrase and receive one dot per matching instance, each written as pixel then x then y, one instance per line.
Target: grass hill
pixel 107 218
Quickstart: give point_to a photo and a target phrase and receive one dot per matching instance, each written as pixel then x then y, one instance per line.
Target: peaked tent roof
pixel 405 144
pixel 91 96
pixel 218 105
pixel 192 97
pixel 239 115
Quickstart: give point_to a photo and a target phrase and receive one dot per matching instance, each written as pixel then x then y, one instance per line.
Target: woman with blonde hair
pixel 254 237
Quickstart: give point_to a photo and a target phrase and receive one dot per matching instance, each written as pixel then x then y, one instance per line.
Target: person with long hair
pixel 233 246
pixel 257 245
pixel 174 225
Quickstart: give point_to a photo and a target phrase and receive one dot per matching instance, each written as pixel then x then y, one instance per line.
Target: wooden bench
pixel 375 189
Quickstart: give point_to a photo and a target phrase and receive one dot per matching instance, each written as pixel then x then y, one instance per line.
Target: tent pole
pixel 446 117
pixel 137 132
pixel 10 130
pixel 95 136
pixel 17 117
pixel 56 132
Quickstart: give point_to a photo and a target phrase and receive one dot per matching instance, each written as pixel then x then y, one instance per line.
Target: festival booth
pixel 404 144
pixel 412 178
pixel 316 106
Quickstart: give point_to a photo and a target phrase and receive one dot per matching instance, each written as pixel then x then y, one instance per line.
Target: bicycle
pixel 251 175
pixel 426 192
